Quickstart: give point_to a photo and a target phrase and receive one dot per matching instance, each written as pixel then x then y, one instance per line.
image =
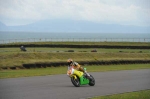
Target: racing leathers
pixel 77 67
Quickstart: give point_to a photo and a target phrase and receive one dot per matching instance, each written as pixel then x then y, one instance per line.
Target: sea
pixel 11 37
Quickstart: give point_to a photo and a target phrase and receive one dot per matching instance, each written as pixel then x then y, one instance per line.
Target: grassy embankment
pixel 14 57
pixel 63 70
pixel 144 94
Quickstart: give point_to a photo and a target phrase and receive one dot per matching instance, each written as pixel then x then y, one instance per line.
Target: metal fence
pixel 75 40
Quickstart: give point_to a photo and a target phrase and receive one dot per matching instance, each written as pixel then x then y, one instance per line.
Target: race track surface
pixel 60 86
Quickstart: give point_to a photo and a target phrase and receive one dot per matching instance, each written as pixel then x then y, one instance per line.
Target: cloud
pixel 125 12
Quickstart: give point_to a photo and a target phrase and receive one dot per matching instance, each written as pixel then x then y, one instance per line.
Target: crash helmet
pixel 69 61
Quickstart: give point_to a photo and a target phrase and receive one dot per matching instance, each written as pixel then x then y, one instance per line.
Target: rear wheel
pixel 92 81
pixel 75 82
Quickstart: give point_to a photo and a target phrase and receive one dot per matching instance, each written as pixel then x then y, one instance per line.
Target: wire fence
pixel 6 41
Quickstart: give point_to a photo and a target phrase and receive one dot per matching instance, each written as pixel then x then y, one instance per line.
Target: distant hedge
pixel 57 64
pixel 109 62
pixel 77 46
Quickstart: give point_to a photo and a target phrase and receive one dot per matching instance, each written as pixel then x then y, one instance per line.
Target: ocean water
pixel 8 37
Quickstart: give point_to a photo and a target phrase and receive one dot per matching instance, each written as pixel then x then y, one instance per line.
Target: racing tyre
pixel 75 82
pixel 92 81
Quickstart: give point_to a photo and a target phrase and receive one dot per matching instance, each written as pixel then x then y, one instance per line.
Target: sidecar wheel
pixel 75 82
pixel 92 81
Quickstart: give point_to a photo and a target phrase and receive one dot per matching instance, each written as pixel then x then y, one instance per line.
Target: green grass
pixel 14 57
pixel 104 68
pixel 19 58
pixel 63 70
pixel 86 43
pixel 102 50
pixel 144 94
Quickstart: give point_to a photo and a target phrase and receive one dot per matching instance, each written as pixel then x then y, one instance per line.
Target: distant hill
pixel 2 25
pixel 75 26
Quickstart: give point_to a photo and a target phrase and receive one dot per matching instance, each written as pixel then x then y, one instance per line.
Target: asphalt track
pixel 60 87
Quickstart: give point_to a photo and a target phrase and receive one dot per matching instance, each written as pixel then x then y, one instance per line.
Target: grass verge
pixel 46 49
pixel 84 43
pixel 144 94
pixel 63 70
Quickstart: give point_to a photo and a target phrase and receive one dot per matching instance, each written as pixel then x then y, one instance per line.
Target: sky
pixel 122 12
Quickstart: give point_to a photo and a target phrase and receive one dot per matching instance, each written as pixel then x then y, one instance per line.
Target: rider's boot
pixel 87 73
pixel 88 76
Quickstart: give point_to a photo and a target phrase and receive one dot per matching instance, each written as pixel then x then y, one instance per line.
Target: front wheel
pixel 75 82
pixel 92 81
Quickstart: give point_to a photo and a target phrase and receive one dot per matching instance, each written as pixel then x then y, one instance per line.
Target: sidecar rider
pixel 23 48
pixel 76 66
